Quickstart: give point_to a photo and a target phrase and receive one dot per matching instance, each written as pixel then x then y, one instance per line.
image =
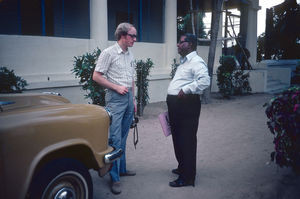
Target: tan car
pixel 48 145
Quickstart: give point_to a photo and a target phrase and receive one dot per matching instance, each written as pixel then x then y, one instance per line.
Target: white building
pixel 39 38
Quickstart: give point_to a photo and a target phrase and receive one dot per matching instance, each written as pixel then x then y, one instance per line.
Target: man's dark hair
pixel 191 38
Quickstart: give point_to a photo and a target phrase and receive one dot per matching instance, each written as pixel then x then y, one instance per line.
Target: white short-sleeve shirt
pixel 117 66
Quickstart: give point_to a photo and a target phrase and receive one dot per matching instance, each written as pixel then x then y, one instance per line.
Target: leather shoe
pixel 176 171
pixel 181 183
pixel 128 173
pixel 116 188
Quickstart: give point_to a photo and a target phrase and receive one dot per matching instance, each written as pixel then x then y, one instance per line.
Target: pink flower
pixel 296 107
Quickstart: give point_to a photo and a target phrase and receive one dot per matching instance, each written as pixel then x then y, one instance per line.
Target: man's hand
pixel 181 94
pixel 122 90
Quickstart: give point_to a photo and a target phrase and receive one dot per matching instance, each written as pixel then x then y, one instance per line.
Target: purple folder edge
pixel 164 122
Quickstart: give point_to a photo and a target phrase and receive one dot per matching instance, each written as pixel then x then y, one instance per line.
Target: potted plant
pixel 283 112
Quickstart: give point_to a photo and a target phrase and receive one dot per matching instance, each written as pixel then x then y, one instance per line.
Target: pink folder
pixel 164 122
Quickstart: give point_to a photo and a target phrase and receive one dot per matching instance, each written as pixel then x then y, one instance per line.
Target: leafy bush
pixel 83 68
pixel 230 79
pixel 9 82
pixel 283 114
pixel 174 67
pixel 142 83
pixel 240 82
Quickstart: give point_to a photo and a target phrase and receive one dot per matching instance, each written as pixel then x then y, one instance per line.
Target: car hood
pixel 14 102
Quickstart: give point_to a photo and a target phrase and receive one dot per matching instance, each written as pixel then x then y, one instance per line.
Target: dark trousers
pixel 184 116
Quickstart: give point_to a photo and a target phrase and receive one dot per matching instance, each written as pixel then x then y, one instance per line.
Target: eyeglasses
pixel 180 42
pixel 132 36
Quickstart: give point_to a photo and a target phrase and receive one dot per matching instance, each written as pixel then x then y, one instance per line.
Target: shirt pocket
pixel 187 73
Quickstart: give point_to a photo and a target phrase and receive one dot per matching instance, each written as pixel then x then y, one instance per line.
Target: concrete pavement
pixel 233 157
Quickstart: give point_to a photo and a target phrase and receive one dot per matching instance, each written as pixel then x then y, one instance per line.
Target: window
pixel 194 19
pixel 60 18
pixel 146 15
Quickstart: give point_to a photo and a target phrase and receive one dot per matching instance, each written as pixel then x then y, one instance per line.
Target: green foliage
pixel 231 81
pixel 283 112
pixel 240 82
pixel 83 69
pixel 9 82
pixel 284 32
pixel 296 77
pixel 260 47
pixel 184 24
pixel 174 68
pixel 142 83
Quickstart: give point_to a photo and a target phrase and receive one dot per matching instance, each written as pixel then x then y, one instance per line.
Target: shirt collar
pixel 191 55
pixel 119 49
pixel 188 57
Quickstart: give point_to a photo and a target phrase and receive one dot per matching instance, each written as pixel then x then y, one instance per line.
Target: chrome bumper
pixel 112 156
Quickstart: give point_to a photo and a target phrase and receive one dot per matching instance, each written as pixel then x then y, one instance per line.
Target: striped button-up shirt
pixel 191 76
pixel 117 66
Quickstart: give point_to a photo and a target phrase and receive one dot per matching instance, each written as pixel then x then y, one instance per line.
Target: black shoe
pixel 128 173
pixel 181 183
pixel 176 171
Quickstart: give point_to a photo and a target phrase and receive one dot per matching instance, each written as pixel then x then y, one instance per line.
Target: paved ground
pixel 233 154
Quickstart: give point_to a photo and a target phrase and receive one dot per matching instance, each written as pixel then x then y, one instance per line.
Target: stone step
pixel 271 83
pixel 275 88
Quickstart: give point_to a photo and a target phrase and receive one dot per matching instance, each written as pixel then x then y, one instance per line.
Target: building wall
pixel 46 62
pixel 41 59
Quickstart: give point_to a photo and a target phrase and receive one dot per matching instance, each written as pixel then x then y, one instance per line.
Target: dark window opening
pixel 60 18
pixel 146 15
pixel 124 17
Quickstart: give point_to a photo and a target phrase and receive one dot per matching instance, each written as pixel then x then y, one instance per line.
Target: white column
pixel 98 24
pixel 170 32
pixel 251 42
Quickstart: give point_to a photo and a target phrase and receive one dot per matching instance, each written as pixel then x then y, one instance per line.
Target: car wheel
pixel 64 178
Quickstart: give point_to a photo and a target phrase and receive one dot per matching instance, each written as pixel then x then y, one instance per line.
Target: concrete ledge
pixel 258 80
pixel 281 74
pixel 37 81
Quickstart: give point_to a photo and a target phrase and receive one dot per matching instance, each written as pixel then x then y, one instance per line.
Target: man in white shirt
pixel 115 70
pixel 184 106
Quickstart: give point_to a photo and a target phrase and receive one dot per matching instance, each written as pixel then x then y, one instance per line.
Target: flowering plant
pixel 283 112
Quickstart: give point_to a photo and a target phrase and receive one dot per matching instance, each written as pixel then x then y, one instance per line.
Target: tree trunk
pixel 215 20
pixel 192 16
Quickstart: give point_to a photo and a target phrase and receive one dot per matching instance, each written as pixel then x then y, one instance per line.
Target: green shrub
pixel 142 83
pixel 84 68
pixel 230 79
pixel 9 82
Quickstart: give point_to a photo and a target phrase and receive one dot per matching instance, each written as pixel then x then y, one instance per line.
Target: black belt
pixel 186 95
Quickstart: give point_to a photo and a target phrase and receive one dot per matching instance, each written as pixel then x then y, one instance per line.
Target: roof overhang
pixel 206 5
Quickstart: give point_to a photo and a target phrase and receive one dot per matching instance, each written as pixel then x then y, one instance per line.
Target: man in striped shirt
pixel 115 70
